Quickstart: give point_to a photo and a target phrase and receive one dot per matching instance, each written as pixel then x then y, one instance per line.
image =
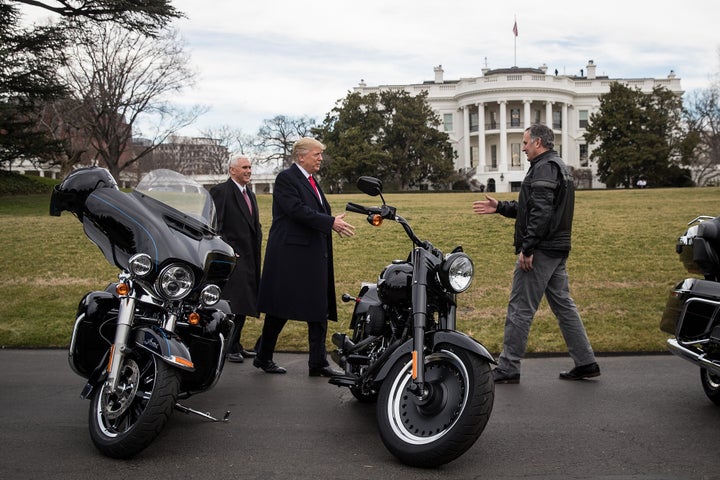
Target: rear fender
pixel 432 340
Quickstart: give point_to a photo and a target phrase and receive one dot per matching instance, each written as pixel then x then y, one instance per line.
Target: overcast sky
pixel 260 58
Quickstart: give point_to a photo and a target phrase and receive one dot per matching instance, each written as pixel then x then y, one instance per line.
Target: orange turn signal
pixel 122 289
pixel 184 361
pixel 194 318
pixel 376 220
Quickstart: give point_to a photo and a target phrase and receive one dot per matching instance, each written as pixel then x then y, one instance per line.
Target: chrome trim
pixel 691 300
pixel 73 342
pixel 693 356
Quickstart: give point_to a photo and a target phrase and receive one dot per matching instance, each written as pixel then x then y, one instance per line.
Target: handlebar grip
pixel 355 208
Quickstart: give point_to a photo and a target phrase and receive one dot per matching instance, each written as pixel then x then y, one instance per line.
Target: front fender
pixel 432 340
pixel 166 346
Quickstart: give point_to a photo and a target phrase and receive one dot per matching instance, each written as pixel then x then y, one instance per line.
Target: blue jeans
pixel 548 277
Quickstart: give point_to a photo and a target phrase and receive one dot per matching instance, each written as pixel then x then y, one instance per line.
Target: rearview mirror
pixel 370 186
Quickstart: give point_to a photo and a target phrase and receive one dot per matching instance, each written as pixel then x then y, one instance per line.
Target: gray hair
pixel 544 133
pixel 234 159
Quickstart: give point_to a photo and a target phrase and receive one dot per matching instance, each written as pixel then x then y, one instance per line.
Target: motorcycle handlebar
pixel 387 211
pixel 355 208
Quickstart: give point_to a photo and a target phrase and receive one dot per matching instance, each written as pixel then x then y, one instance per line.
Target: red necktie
pixel 247 200
pixel 314 185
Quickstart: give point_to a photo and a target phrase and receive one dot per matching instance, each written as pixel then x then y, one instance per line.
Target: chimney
pixel 591 70
pixel 438 74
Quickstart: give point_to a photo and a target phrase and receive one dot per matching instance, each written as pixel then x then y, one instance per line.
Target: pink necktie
pixel 314 185
pixel 247 200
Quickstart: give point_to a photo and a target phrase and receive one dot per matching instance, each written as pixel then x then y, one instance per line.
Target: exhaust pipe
pixel 693 357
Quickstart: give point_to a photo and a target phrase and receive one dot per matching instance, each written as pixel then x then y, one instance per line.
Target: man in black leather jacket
pixel 543 225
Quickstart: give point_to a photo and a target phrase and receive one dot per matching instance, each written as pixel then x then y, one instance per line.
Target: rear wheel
pixel 126 420
pixel 437 429
pixel 711 385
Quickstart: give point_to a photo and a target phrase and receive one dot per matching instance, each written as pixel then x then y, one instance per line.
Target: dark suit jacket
pixel 298 281
pixel 242 231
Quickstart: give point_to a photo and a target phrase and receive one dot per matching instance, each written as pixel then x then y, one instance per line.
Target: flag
pixel 515 28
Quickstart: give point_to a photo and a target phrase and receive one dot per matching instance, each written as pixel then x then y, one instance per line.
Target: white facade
pixel 486 116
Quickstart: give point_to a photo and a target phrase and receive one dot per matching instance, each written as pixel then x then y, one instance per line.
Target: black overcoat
pixel 242 231
pixel 298 281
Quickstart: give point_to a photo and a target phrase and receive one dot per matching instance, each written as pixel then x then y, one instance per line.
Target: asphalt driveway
pixel 646 417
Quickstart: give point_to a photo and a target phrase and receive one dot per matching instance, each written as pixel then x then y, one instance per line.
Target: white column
pixel 503 163
pixel 548 115
pixel 526 113
pixel 528 122
pixel 482 160
pixel 466 137
pixel 564 133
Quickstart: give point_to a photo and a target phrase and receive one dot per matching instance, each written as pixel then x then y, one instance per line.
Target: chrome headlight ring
pixel 140 264
pixel 456 272
pixel 210 295
pixel 175 281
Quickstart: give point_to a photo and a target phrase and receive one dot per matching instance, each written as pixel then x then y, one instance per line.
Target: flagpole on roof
pixel 515 31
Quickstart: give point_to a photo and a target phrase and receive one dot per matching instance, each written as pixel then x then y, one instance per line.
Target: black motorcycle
pixel 692 313
pixel 159 333
pixel 432 384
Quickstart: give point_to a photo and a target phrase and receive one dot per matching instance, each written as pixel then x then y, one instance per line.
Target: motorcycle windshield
pixel 179 192
pixel 168 216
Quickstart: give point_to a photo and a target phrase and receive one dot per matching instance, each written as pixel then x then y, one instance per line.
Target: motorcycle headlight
pixel 140 264
pixel 210 295
pixel 456 272
pixel 175 282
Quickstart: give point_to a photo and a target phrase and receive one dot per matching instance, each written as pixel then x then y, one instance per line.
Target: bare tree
pixel 703 119
pixel 61 120
pixel 125 82
pixel 234 140
pixel 278 134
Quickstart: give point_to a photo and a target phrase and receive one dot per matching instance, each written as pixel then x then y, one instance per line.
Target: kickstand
pixel 207 416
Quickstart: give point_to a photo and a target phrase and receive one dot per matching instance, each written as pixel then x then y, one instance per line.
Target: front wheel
pixel 125 421
pixel 436 430
pixel 711 385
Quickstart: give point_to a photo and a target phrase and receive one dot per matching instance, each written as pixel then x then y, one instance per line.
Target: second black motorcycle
pixel 159 333
pixel 692 312
pixel 432 384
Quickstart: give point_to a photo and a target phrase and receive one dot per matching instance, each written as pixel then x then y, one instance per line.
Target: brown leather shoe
pixel 584 371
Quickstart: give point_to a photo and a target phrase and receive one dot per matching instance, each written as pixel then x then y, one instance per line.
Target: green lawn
pixel 622 265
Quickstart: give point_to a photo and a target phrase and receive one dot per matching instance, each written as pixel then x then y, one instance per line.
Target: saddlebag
pixel 692 309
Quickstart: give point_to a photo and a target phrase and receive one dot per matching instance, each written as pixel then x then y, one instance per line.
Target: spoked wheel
pixel 711 385
pixel 126 420
pixel 439 428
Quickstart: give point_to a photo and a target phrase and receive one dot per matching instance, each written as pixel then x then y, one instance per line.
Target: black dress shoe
pixel 324 372
pixel 235 358
pixel 502 377
pixel 584 371
pixel 268 366
pixel 247 353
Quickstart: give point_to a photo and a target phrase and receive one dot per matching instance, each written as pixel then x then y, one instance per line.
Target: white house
pixel 486 116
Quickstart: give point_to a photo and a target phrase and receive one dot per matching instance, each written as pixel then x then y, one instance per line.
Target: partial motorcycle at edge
pixel 432 384
pixel 159 333
pixel 692 312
